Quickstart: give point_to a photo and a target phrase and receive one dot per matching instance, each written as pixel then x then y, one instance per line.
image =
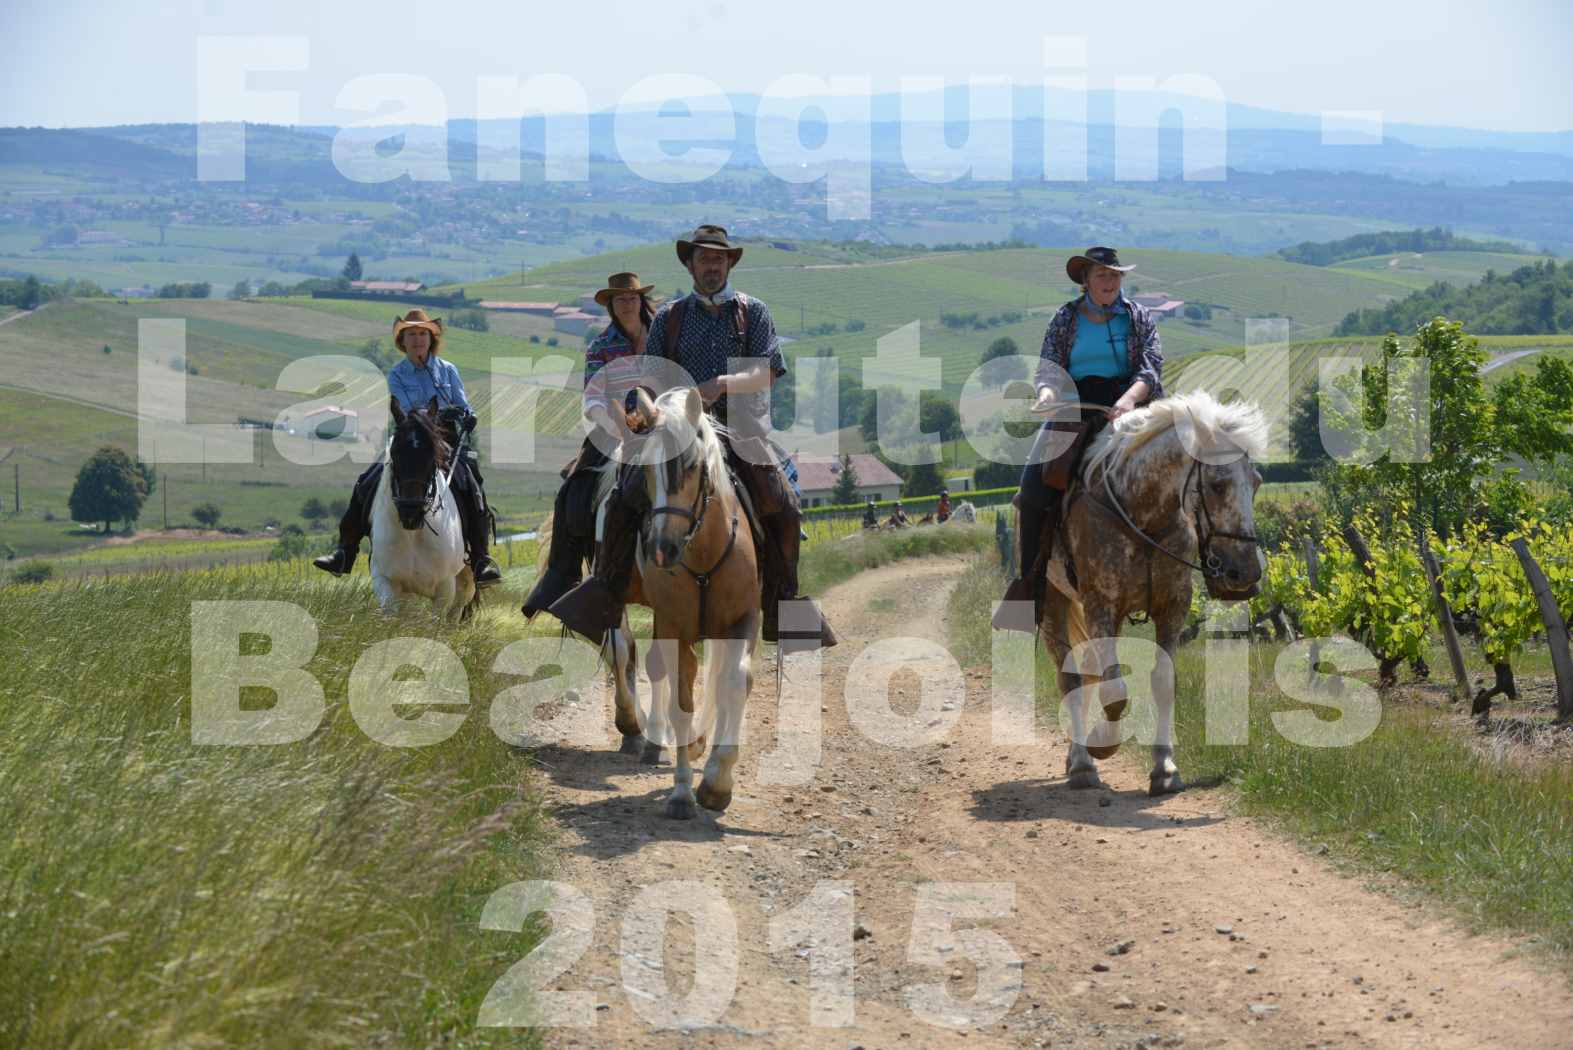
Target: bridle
pixel 1211 565
pixel 411 505
pixel 696 519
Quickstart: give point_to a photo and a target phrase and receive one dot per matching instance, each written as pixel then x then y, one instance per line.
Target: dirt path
pixel 1314 959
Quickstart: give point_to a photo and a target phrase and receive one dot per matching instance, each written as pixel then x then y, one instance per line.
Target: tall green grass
pixel 321 893
pixel 1492 840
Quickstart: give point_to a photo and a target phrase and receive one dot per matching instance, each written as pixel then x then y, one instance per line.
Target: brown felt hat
pixel 1076 266
pixel 619 283
pixel 708 236
pixel 417 319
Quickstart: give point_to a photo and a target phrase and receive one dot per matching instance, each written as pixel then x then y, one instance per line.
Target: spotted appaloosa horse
pixel 1163 491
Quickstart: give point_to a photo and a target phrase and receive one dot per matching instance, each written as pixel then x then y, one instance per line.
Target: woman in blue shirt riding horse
pixel 1101 350
pixel 423 375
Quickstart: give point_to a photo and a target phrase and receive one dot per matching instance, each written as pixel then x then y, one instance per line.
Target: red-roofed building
pixel 388 287
pixel 542 309
pixel 1160 305
pixel 817 478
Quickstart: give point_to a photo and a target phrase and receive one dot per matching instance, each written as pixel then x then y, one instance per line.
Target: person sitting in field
pixel 724 343
pixel 870 516
pixel 942 512
pixel 611 372
pixel 423 375
pixel 898 518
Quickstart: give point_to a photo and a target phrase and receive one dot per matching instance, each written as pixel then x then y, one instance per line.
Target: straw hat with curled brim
pixel 1076 266
pixel 708 236
pixel 417 319
pixel 619 284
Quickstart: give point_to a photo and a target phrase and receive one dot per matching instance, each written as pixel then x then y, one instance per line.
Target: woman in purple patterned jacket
pixel 1101 350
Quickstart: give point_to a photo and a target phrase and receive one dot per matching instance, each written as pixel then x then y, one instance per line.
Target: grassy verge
pixel 833 560
pixel 1412 800
pixel 154 891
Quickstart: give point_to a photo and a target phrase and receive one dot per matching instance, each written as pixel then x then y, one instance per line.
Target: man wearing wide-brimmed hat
pixel 1101 350
pixel 726 343
pixel 422 376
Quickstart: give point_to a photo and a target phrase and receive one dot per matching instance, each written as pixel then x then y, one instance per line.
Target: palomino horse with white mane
pixel 417 540
pixel 697 569
pixel 1163 491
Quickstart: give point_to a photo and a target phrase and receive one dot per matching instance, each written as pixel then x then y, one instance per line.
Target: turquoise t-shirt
pixel 1093 355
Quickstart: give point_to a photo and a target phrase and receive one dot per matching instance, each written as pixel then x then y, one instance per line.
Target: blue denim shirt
pixel 415 386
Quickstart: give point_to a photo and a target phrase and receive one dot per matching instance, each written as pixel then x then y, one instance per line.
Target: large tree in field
pixel 110 487
pixel 352 269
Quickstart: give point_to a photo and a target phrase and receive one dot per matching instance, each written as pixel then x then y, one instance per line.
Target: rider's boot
pixel 485 568
pixel 1034 516
pixel 783 539
pixel 571 545
pixel 352 526
pixel 595 606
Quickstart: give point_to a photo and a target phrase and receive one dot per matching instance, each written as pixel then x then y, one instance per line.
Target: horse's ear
pixel 693 407
pixel 644 409
pixel 398 413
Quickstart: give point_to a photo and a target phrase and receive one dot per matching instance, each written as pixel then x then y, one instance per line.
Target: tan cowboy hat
pixel 417 319
pixel 1076 265
pixel 707 236
pixel 619 283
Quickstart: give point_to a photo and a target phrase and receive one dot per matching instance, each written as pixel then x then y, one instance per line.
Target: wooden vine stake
pixel 1455 653
pixel 1556 629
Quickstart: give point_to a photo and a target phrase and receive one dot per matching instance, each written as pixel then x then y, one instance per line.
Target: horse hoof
pixel 680 809
pixel 1165 784
pixel 711 799
pixel 1082 779
pixel 651 755
pixel 633 745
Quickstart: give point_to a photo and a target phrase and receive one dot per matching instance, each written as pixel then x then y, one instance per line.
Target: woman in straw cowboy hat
pixel 611 371
pixel 423 375
pixel 1101 350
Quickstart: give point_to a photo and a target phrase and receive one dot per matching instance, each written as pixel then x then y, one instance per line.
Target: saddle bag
pixel 1057 472
pixel 754 463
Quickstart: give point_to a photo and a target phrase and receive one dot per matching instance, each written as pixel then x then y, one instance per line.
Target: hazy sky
pixel 1489 65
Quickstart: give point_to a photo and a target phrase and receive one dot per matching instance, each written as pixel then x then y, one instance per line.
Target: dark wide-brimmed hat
pixel 707 237
pixel 619 283
pixel 1076 265
pixel 417 319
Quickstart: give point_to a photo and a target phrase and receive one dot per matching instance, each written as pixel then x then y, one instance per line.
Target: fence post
pixel 1444 612
pixel 1313 566
pixel 1556 629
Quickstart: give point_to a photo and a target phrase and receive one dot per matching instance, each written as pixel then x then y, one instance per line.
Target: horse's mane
pixel 708 432
pixel 1218 427
pixel 439 439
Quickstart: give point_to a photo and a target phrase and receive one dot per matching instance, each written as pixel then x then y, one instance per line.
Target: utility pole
pixel 17 485
pixel 163 484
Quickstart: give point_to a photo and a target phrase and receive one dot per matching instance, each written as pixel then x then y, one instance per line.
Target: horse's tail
pixel 543 537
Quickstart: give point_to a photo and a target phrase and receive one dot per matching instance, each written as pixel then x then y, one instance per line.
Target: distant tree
pixel 313 510
pixel 923 480
pixel 33 572
pixel 846 489
pixel 991 475
pixel 108 488
pixel 107 350
pixel 336 508
pixel 474 320
pixel 32 293
pixel 352 269
pixel 207 514
pixel 1004 350
pixel 939 418
pixel 1305 436
pixel 242 289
